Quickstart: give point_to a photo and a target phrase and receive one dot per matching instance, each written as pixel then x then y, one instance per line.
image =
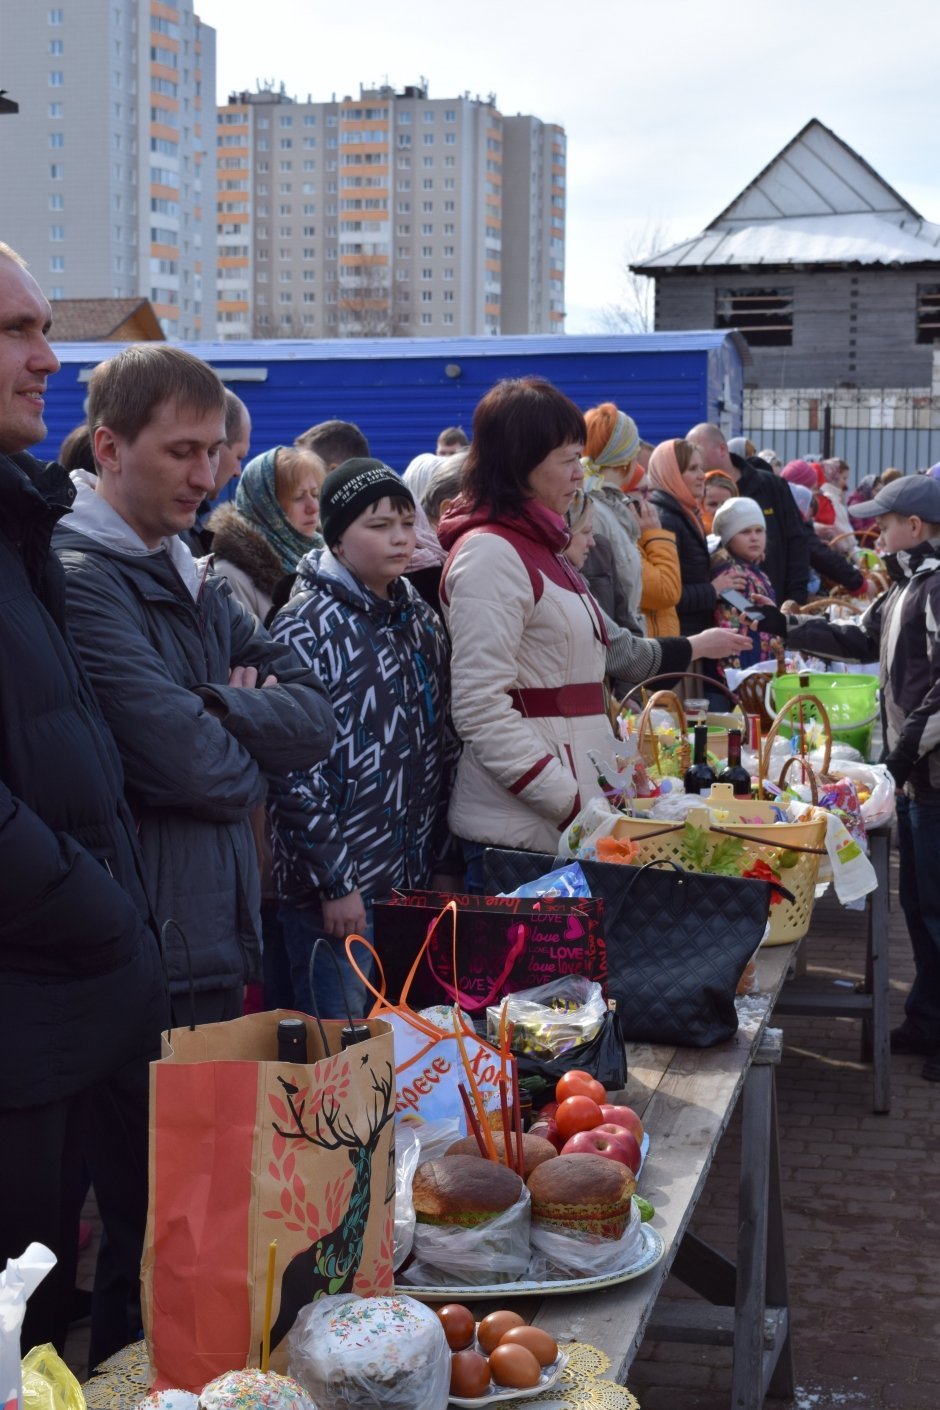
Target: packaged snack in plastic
pixel 597 818
pixel 370 1353
pixel 407 1155
pixel 48 1384
pixel 552 1018
pixel 18 1281
pixel 496 1251
pixel 556 1255
pixel 566 881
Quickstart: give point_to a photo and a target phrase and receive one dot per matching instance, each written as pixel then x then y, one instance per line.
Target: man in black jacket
pixel 82 995
pixel 786 561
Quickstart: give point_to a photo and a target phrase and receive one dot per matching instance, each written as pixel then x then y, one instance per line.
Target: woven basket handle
pixel 809 773
pixel 784 713
pixel 666 700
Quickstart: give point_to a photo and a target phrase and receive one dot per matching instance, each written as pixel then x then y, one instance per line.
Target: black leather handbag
pixel 677 941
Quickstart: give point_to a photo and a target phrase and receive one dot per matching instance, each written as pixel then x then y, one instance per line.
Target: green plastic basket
pixel 851 702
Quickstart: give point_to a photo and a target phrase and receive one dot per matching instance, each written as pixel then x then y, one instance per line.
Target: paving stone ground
pixel 862 1212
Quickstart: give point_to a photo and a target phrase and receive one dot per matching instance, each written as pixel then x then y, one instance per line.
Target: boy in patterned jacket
pixel 902 629
pixel 371 817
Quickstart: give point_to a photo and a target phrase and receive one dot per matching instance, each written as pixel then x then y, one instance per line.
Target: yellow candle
pixel 268 1304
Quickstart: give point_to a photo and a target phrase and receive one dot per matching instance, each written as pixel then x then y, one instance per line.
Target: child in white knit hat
pixel 739 525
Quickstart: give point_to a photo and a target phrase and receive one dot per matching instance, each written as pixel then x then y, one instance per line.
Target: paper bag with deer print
pixel 243 1150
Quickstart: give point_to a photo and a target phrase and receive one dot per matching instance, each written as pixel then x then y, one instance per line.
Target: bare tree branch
pixel 634 311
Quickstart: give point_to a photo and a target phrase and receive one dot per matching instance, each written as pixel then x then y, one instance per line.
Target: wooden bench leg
pixel 761 1266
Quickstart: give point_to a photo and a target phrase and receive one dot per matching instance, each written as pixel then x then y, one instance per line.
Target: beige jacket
pixel 519 780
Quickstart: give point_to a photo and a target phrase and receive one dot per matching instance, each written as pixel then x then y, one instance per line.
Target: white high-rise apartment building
pixel 392 214
pixel 108 169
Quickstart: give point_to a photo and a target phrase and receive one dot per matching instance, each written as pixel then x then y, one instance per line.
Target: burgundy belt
pixel 563 700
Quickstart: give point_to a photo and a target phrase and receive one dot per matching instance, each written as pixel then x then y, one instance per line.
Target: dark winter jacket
pixel 196 751
pixel 902 630
pixel 786 559
pixel 830 564
pixel 372 816
pixel 81 984
pixel 696 606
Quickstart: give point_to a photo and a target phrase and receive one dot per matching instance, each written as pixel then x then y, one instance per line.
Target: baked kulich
pixel 584 1193
pixel 252 1389
pixel 464 1190
pixel 373 1353
pixel 534 1149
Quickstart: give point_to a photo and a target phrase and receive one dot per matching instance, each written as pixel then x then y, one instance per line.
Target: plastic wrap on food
pixel 565 881
pixel 556 1255
pixel 370 1353
pixel 552 1018
pixel 495 1251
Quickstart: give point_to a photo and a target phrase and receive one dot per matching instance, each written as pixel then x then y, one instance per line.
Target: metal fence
pixel 870 429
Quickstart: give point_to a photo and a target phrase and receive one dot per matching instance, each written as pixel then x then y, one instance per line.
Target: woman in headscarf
pixel 643 594
pixel 834 489
pixel 272 524
pixel 677 475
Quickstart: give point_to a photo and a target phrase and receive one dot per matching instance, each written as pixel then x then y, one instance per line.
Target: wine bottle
pixel 291 1040
pixel 700 775
pixel 734 772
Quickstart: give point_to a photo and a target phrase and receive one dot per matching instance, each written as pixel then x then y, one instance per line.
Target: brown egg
pixel 541 1345
pixel 494 1327
pixel 459 1325
pixel 469 1374
pixel 514 1367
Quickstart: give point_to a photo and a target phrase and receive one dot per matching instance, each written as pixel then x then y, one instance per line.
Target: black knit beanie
pixel 351 488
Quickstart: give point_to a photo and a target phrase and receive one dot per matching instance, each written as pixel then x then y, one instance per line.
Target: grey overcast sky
pixel 670 106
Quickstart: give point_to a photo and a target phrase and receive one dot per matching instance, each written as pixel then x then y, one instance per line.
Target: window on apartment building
pixel 56 46
pixel 763 316
pixel 450 114
pixel 56 139
pixel 928 313
pixel 428 139
pixel 449 183
pixel 286 143
pixel 450 161
pixel 55 110
pixel 427 162
pixel 450 139
pixel 404 139
pixel 284 276
pixel 284 188
pixel 448 228
pixel 58 292
pixel 286 298
pixel 426 319
pixel 447 318
pixel 404 118
pixel 57 264
pixel 448 273
pixel 428 115
pixel 427 184
pixel 426 296
pixel 310 119
pixel 56 171
pixel 56 232
pixel 448 296
pixel 309 296
pixel 402 229
pixel 56 16
pixel 449 206
pixel 285 120
pixel 56 78
pixel 57 203
pixel 263 144
pixel 427 207
pixel 427 274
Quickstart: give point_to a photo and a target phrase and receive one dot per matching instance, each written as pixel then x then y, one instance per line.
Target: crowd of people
pixel 229 730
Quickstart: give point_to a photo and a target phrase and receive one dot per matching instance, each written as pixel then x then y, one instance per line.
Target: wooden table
pixel 686 1097
pixel 820 996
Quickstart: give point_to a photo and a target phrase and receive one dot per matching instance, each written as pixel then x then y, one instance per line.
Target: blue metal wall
pixel 399 393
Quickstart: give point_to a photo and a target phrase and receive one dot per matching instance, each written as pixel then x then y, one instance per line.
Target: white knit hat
pixel 734 515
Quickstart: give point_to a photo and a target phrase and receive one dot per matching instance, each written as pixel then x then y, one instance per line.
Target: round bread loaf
pixel 463 1189
pixel 534 1149
pixel 582 1193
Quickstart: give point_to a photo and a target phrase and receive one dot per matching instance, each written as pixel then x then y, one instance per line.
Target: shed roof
pixel 91 320
pixel 816 202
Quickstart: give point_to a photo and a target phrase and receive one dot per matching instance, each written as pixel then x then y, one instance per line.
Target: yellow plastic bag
pixel 48 1384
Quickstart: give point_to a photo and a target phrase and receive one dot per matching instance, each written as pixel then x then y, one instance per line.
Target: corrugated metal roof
pixel 451 349
pixel 817 202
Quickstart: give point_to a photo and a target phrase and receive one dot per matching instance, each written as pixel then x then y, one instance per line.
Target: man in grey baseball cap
pixel 912 495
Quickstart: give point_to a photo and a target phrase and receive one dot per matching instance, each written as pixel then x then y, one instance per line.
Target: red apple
pixel 547 1111
pixel 600 1142
pixel 626 1117
pixel 548 1132
pixel 627 1140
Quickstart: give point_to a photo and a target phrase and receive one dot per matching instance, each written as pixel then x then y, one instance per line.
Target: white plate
pixel 647 1257
pixel 547 1379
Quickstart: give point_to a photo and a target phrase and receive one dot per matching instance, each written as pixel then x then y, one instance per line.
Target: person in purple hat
pixel 902 629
